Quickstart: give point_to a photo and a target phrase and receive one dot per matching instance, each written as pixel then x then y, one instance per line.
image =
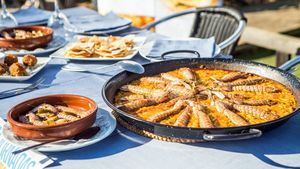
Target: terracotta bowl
pixel 52 132
pixel 30 43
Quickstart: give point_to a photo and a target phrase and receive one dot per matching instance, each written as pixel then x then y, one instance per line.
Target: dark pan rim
pixel 201 129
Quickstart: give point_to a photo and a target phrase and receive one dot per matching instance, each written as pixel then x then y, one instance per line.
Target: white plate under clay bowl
pixel 105 121
pixel 56 43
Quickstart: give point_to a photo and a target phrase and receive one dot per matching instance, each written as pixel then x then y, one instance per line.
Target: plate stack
pixel 96 24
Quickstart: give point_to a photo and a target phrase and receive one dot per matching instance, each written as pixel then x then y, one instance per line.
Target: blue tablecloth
pixel 279 148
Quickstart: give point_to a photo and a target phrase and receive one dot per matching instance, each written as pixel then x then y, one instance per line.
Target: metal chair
pixel 225 24
pixel 46 4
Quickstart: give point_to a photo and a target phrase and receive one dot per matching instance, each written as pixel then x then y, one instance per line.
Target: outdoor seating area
pixel 149 84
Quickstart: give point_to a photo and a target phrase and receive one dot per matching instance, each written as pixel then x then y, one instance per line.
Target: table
pixel 279 148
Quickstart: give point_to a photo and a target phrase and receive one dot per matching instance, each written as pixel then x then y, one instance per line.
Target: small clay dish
pixel 51 132
pixel 28 43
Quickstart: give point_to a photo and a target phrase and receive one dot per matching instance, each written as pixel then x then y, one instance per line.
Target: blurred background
pixel 275 20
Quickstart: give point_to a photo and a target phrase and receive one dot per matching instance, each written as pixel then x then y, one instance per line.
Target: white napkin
pixel 98 22
pixel 31 15
pixel 28 159
pixel 207 48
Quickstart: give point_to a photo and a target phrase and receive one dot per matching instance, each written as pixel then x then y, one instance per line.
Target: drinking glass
pixel 6 18
pixel 57 19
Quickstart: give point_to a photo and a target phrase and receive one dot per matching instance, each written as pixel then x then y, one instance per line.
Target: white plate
pixel 42 62
pixel 56 43
pixel 138 40
pixel 2 56
pixel 145 50
pixel 35 23
pixel 105 121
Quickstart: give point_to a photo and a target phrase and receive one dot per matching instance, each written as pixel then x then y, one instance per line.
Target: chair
pixel 225 24
pixel 48 5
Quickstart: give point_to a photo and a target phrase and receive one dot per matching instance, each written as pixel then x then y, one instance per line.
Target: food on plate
pixel 10 59
pixel 138 20
pixel 25 38
pixel 22 34
pixel 51 117
pixel 17 69
pixel 205 98
pixel 101 47
pixel 47 114
pixel 3 68
pixel 29 60
pixel 11 66
pixel 179 5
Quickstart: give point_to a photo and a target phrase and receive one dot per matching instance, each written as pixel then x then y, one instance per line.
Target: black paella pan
pixel 208 134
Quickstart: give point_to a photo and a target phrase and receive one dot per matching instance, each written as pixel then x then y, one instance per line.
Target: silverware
pixel 86 134
pixel 292 70
pixel 128 65
pixel 18 91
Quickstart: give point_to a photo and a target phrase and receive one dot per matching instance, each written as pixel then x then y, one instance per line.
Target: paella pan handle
pixel 251 133
pixel 291 63
pixel 163 56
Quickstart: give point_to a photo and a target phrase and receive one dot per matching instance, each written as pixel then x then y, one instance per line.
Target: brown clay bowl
pixel 52 132
pixel 29 43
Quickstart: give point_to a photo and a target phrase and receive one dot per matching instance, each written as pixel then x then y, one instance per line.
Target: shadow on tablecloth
pixel 284 140
pixel 280 142
pixel 120 140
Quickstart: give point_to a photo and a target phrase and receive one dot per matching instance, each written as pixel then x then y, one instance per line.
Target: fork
pixel 292 70
pixel 18 91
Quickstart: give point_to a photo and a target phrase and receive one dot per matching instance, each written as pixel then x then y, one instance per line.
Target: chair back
pixel 220 22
